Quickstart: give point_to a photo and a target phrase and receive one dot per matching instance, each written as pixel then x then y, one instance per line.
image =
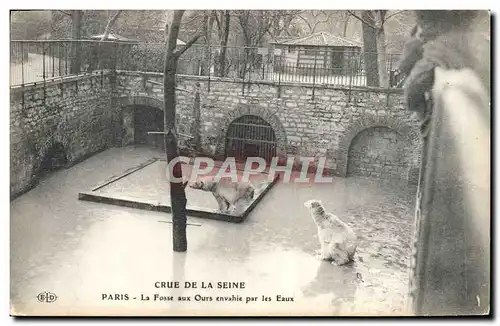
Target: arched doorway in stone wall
pixel 250 136
pixel 54 158
pixel 147 119
pixel 379 152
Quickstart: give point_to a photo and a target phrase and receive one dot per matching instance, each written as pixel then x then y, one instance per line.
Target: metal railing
pixel 40 61
pixel 36 61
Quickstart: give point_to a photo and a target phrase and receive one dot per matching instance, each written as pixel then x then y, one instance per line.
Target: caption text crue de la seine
pixel 196 297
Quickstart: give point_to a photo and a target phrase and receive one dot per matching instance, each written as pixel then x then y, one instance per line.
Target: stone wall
pixel 86 114
pixel 319 121
pixel 378 152
pixel 75 112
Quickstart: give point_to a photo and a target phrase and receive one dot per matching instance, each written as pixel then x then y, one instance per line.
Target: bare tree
pixel 374 41
pixel 315 19
pixel 281 21
pixel 254 24
pixel 177 191
pixel 203 20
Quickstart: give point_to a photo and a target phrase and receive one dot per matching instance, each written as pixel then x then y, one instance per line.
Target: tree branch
pixel 109 25
pixel 308 24
pixel 266 28
pixel 65 12
pixel 362 20
pixel 327 18
pixel 219 27
pixel 394 14
pixel 180 51
pixel 208 21
pixel 243 19
pixel 192 19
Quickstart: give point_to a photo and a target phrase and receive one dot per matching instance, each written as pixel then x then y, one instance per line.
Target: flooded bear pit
pixel 80 250
pixel 146 186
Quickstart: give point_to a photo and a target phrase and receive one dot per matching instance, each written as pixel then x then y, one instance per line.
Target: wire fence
pixel 36 61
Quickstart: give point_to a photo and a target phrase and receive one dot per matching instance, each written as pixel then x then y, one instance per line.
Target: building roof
pixel 320 39
pixel 116 37
pixel 112 37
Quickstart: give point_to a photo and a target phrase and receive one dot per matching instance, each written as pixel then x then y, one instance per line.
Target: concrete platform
pixel 80 250
pixel 145 187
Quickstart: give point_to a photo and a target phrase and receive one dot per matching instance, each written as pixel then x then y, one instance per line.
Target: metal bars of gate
pixel 251 136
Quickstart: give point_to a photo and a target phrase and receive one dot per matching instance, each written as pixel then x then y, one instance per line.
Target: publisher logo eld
pixel 46 297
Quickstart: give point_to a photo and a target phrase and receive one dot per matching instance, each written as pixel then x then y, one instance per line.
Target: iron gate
pixel 250 136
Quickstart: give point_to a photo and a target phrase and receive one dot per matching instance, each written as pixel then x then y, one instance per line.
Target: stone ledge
pixel 266 82
pixel 56 81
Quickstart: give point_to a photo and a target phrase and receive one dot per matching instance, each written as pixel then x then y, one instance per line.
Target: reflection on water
pixel 80 250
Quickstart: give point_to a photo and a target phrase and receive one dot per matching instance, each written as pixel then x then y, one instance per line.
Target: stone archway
pixel 408 134
pixel 146 119
pixel 244 110
pixel 54 159
pixel 128 106
pixel 250 136
pixel 51 155
pixel 379 152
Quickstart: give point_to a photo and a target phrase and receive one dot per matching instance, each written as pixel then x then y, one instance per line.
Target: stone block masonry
pixel 77 113
pixel 320 122
pixel 86 114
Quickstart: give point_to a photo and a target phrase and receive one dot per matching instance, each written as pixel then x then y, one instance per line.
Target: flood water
pixel 84 251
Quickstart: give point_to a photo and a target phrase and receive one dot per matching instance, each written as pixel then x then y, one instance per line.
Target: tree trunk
pixel 382 56
pixel 370 49
pixel 382 59
pixel 177 193
pixel 76 48
pixel 346 24
pixel 196 126
pixel 245 67
pixel 207 52
pixel 223 44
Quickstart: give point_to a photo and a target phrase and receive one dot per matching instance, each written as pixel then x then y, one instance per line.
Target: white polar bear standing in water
pixel 338 240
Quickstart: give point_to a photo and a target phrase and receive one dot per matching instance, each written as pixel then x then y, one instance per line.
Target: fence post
pixel 43 73
pixel 53 58
pixel 43 62
pixel 352 67
pixel 262 63
pixel 196 126
pixel 209 65
pixel 65 58
pixel 280 65
pixel 350 87
pixel 244 72
pixel 389 82
pixel 22 65
pixel 314 73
